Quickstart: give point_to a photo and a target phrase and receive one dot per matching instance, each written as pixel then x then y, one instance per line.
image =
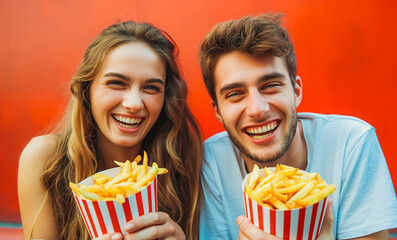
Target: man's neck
pixel 295 156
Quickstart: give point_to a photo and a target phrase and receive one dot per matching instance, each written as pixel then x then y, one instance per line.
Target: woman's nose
pixel 133 100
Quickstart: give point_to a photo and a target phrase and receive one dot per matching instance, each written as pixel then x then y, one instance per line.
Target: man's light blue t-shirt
pixel 344 150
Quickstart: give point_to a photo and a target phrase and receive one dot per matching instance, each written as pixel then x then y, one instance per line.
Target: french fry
pixel 120 164
pixel 302 192
pixel 125 173
pixel 74 187
pixel 267 171
pixel 288 172
pixel 316 197
pixel 162 171
pixel 131 179
pixel 138 158
pixel 89 195
pixel 148 177
pixel 277 194
pixel 265 180
pixel 120 198
pixel 253 179
pixel 293 188
pixel 279 204
pixel 145 160
pixel 101 179
pixel 287 187
pixel 140 172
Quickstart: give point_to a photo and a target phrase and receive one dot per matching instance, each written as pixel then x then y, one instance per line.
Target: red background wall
pixel 346 57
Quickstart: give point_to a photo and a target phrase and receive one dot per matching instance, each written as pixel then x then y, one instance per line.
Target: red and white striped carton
pixel 302 223
pixel 103 217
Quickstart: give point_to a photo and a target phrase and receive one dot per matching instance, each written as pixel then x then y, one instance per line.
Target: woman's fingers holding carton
pixel 147 220
pixel 153 226
pixel 250 231
pixel 110 236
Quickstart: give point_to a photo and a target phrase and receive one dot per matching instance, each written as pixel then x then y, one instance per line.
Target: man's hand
pixel 326 231
pixel 250 231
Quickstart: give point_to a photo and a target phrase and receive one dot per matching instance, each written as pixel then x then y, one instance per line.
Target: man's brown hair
pixel 255 36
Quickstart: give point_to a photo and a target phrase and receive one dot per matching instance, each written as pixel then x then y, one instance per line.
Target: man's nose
pixel 257 105
pixel 133 100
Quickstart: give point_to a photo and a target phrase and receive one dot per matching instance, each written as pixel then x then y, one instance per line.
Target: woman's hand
pixel 250 231
pixel 110 236
pixel 157 225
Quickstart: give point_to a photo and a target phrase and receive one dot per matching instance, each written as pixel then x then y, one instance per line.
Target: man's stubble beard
pixel 285 144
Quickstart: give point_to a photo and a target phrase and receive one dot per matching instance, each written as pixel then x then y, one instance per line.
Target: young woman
pixel 127 97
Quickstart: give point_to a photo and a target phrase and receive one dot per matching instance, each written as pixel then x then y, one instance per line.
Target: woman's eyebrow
pixel 113 74
pixel 126 78
pixel 155 80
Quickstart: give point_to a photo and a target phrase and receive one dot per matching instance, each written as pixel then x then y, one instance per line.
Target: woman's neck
pixel 110 152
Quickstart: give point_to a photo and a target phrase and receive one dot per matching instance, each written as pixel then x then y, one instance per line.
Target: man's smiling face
pixel 256 102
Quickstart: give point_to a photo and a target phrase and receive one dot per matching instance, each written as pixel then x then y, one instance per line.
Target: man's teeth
pixel 127 120
pixel 260 130
pixel 261 136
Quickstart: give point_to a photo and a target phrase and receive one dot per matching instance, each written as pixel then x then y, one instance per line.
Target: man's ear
pixel 216 111
pixel 298 90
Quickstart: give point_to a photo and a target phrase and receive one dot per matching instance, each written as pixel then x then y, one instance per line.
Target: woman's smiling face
pixel 128 94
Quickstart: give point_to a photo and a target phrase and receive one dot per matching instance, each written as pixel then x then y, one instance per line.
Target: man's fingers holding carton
pixel 250 231
pixel 327 231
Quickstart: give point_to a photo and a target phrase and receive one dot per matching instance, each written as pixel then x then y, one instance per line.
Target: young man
pixel 249 69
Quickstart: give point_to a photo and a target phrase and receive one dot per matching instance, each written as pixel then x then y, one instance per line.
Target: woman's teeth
pixel 127 122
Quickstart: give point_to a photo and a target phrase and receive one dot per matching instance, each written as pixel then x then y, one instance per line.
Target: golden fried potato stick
pixel 138 158
pixel 287 187
pixel 302 193
pixel 148 177
pixel 145 160
pixel 293 188
pixel 277 194
pixel 101 179
pixel 130 180
pixel 278 204
pixel 316 197
pixel 254 177
pixel 125 173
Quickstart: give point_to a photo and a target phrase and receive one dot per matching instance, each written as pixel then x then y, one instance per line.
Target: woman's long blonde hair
pixel 174 141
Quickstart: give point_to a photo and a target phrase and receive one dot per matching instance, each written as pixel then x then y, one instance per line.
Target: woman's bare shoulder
pixel 32 160
pixel 31 192
pixel 35 151
pixel 41 143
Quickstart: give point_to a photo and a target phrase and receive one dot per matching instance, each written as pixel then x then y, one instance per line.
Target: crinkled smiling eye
pixel 115 82
pixel 271 85
pixel 152 88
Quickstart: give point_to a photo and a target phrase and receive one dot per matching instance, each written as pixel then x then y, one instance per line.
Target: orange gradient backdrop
pixel 346 55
